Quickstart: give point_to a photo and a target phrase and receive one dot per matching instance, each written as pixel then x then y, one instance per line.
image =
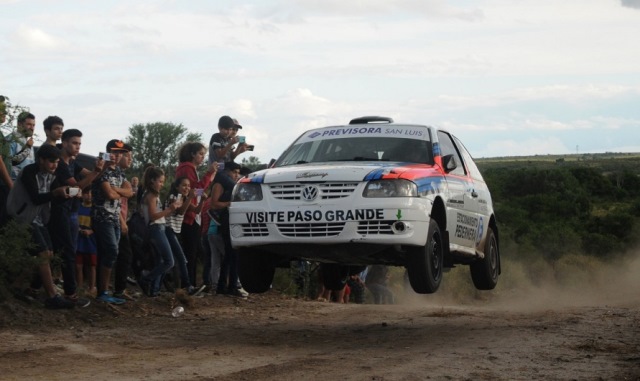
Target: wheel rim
pixel 493 256
pixel 436 263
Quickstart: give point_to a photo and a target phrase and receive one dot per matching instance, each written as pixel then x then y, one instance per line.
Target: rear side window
pixel 471 165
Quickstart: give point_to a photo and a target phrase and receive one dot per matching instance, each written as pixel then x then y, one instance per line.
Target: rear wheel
pixel 256 269
pixel 485 271
pixel 424 264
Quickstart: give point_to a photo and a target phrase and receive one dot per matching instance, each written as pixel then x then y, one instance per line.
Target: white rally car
pixel 370 192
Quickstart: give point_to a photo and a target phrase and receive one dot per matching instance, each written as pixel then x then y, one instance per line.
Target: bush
pixel 15 242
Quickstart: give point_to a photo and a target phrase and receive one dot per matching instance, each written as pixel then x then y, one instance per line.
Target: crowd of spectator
pixel 83 215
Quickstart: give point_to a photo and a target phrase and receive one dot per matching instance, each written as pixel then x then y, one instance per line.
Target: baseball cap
pixel 236 124
pixel 116 145
pixel 225 122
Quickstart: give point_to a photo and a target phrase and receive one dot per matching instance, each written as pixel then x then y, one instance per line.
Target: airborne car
pixel 370 192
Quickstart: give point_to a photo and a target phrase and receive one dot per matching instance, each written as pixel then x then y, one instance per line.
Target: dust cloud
pixel 536 285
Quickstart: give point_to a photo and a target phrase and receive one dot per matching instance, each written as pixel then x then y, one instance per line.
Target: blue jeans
pixel 107 237
pixel 178 256
pixel 214 257
pixel 164 257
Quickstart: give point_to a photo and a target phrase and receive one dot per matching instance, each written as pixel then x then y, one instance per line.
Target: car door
pixel 462 206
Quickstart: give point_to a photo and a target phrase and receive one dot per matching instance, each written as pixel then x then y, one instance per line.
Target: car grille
pixel 293 191
pixel 316 229
pixel 374 227
pixel 255 230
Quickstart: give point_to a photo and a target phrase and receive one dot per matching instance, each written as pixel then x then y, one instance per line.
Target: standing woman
pixel 155 217
pixel 191 155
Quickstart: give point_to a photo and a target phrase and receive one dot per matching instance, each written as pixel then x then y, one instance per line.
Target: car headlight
pixel 247 192
pixel 390 188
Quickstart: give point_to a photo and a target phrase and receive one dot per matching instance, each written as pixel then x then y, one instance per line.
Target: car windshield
pixel 358 149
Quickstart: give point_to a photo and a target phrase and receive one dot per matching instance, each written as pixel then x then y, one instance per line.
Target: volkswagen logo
pixel 309 193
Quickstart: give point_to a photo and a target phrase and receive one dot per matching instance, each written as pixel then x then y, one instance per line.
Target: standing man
pixel 21 144
pixel 123 263
pixel 29 204
pixel 107 191
pixel 53 127
pixel 63 226
pixel 221 143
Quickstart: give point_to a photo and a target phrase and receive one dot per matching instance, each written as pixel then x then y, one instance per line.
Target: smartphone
pixel 198 191
pixel 220 165
pixel 241 139
pixel 105 156
pixel 250 148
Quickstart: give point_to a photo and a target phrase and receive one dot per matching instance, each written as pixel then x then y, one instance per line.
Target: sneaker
pixel 124 295
pixel 24 295
pixel 243 292
pixel 145 286
pixel 237 294
pixel 132 281
pixel 196 291
pixel 58 302
pixel 105 297
pixel 79 302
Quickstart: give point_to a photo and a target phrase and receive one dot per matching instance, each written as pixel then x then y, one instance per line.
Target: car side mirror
pixel 449 162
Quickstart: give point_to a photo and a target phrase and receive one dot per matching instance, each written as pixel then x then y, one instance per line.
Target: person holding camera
pixel 222 144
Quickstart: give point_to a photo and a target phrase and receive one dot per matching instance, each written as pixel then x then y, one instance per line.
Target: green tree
pixel 11 111
pixel 158 143
pixel 252 163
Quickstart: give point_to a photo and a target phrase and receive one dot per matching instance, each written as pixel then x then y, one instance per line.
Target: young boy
pixel 86 251
pixel 222 142
pixel 107 191
pixel 29 203
pixel 53 127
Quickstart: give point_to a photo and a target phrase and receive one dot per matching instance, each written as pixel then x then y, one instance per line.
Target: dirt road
pixel 272 337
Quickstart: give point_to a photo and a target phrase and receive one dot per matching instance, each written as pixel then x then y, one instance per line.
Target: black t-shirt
pixel 63 173
pixel 218 141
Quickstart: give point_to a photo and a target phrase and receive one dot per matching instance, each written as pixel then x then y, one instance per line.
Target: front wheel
pixel 256 269
pixel 485 271
pixel 424 264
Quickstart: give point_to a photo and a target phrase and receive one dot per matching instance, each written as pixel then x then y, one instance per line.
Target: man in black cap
pixel 222 142
pixel 106 192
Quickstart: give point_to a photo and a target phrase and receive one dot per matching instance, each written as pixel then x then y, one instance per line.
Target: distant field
pixel 607 162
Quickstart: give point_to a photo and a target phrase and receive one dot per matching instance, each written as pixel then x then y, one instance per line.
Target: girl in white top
pixel 181 190
pixel 155 216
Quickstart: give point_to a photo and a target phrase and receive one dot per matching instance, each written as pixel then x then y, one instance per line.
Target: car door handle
pixel 474 194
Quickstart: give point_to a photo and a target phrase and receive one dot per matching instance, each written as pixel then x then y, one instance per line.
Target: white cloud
pixel 35 39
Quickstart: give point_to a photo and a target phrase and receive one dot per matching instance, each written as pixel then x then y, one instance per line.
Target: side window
pixel 473 169
pixel 447 147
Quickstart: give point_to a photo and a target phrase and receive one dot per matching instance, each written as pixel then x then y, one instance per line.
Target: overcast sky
pixel 507 77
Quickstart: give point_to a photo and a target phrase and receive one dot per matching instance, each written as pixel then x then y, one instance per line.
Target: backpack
pixel 21 207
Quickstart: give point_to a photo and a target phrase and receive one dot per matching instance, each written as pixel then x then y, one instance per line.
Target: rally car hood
pixel 347 171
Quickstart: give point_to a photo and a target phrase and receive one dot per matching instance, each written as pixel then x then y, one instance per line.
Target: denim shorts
pixel 41 238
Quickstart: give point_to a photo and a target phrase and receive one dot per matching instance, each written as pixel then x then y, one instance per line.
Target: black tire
pixel 424 264
pixel 485 271
pixel 334 276
pixel 256 269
